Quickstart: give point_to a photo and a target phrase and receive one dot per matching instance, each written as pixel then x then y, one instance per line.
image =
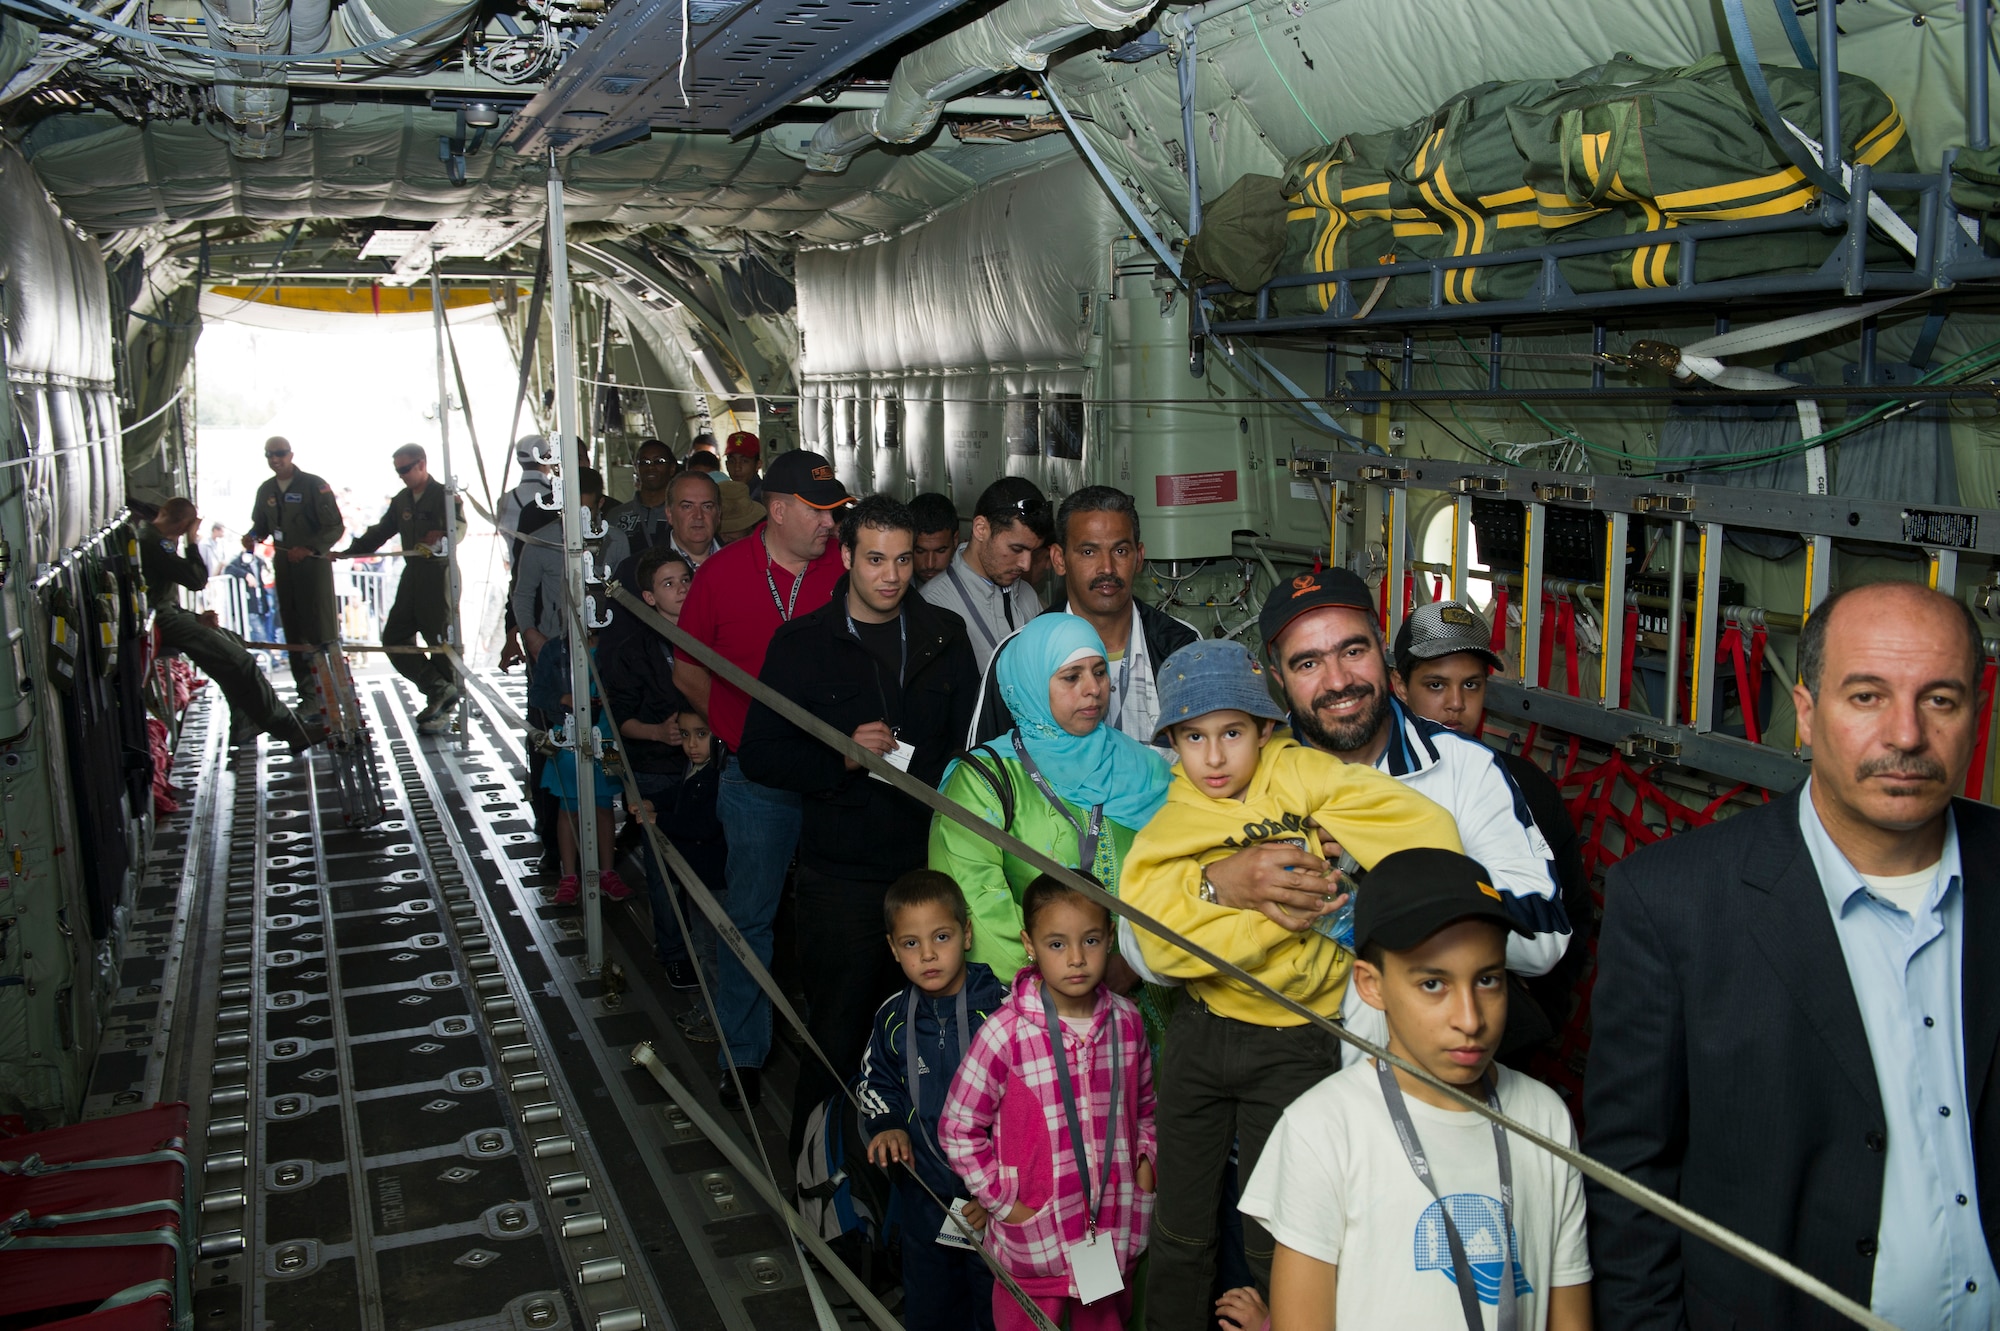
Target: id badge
pixel 898 758
pixel 1093 1265
pixel 950 1235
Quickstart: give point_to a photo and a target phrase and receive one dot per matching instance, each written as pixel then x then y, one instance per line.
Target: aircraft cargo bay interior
pixel 998 663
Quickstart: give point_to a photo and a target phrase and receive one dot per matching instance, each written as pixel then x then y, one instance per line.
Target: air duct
pixel 1020 34
pixel 432 27
pixel 251 94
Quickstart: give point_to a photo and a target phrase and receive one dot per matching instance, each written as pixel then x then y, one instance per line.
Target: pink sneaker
pixel 612 885
pixel 568 890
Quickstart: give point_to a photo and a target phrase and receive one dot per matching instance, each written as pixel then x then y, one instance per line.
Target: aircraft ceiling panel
pixel 729 67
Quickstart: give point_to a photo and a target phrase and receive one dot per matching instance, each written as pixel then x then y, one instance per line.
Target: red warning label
pixel 1194 487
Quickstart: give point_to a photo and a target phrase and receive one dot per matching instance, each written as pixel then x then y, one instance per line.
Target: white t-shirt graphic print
pixel 1333 1183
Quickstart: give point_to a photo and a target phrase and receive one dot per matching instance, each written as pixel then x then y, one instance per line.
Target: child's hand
pixel 1144 1174
pixel 1242 1309
pixel 975 1214
pixel 646 816
pixel 891 1148
pixel 1018 1214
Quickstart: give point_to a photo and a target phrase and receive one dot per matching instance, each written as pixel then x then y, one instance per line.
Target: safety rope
pixel 1630 1189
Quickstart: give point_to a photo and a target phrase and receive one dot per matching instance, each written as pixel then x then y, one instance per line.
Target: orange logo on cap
pixel 1490 890
pixel 1304 583
pixel 822 473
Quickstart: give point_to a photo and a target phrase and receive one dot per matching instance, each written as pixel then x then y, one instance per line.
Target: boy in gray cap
pixel 1232 1059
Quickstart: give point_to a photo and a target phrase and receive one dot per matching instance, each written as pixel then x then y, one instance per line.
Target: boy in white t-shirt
pixel 1363 1240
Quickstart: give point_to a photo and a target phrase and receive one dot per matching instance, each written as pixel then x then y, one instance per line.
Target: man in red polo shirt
pixel 785 568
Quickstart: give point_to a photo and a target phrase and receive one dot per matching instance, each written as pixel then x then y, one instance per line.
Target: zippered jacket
pixel 885 1092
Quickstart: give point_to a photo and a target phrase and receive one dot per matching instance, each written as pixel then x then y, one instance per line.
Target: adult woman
pixel 1061 780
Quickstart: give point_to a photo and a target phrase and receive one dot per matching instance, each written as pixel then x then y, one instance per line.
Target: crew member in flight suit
pixel 297 510
pixel 422 604
pixel 253 706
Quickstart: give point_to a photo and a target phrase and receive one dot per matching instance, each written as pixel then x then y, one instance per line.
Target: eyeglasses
pixel 655 462
pixel 407 468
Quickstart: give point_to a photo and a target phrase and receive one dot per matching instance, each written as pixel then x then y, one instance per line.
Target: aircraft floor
pixel 416 1102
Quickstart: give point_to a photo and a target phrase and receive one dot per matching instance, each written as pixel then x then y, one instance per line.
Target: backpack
pixel 995 777
pixel 842 1197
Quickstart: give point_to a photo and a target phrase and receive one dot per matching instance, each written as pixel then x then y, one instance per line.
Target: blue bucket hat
pixel 1213 675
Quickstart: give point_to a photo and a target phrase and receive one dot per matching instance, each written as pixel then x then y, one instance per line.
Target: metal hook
pixel 590 614
pixel 554 498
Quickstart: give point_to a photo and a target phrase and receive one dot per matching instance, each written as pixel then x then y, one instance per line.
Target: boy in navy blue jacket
pixel 914 1048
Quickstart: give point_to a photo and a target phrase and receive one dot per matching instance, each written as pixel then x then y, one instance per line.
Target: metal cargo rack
pixel 348 741
pixel 1941 535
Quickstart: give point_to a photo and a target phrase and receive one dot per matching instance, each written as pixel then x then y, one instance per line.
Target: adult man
pixel 740 457
pixel 212 551
pixel 694 504
pixel 937 534
pixel 1320 634
pixel 897 674
pixel 537 599
pixel 987 582
pixel 784 569
pixel 644 518
pixel 1794 1017
pixel 703 460
pixel 1443 655
pixel 420 516
pixel 298 512
pixel 253 707
pixel 519 507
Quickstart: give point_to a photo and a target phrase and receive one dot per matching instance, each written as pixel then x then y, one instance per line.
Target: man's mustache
pixel 1352 693
pixel 1914 766
pixel 1108 583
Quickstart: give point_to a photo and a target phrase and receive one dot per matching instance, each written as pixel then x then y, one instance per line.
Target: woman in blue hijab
pixel 1061 780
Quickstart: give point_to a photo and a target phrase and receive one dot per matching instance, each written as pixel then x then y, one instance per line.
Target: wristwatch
pixel 1207 889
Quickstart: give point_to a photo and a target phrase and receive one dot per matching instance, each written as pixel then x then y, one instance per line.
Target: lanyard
pixel 1086 841
pixel 1117 717
pixel 910 1057
pixel 785 608
pixel 903 631
pixel 1461 1266
pixel 972 610
pixel 1076 1144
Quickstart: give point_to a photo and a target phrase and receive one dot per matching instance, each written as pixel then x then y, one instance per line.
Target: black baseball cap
pixel 1311 591
pixel 1410 895
pixel 807 475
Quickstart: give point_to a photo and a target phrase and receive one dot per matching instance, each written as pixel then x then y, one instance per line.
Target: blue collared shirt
pixel 1931 1265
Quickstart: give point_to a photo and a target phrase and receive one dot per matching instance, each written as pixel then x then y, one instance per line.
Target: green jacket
pixel 993 882
pixel 307 514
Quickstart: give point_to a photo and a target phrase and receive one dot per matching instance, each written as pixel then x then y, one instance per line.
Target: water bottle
pixel 1339 926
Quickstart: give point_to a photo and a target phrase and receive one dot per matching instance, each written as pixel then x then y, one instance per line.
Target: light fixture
pixel 482 115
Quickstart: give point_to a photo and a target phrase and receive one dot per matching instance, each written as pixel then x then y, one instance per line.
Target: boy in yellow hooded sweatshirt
pixel 1232 1060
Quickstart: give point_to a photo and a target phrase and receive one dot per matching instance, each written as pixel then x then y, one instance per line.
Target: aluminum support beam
pixel 1396 518
pixel 1676 610
pixel 1977 29
pixel 1186 72
pixel 582 736
pixel 451 575
pixel 1337 547
pixel 1611 658
pixel 1707 617
pixel 1461 548
pixel 1533 549
pixel 1944 571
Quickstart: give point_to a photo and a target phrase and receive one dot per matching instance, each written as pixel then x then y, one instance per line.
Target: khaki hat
pixel 739 511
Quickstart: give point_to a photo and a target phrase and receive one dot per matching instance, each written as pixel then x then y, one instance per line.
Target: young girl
pixel 549 690
pixel 1069 1194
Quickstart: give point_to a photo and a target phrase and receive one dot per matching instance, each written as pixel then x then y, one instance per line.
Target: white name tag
pixel 1093 1264
pixel 898 758
pixel 953 1237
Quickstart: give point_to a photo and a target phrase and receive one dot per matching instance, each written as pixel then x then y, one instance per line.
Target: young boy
pixel 919 1037
pixel 691 824
pixel 1363 1239
pixel 1232 1060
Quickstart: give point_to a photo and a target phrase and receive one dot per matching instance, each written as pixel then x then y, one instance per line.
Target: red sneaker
pixel 612 885
pixel 568 890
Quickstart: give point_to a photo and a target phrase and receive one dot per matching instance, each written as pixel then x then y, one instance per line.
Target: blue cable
pixel 41 9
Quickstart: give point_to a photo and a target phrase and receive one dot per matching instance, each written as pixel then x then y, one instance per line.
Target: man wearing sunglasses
pixel 299 514
pixel 646 517
pixel 987 582
pixel 418 516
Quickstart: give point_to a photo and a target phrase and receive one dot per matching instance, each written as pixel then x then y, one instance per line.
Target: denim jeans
pixel 762 826
pixel 669 944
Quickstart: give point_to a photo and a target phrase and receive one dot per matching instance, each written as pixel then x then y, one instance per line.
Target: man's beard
pixel 1345 736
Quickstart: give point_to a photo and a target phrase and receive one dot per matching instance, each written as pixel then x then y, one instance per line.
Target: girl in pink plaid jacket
pixel 1007 1134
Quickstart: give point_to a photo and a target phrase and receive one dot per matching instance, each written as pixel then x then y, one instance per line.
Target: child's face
pixel 669 591
pixel 1446 999
pixel 1219 751
pixel 696 739
pixel 929 944
pixel 1070 943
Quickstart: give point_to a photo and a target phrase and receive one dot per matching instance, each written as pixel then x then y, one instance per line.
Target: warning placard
pixel 1194 487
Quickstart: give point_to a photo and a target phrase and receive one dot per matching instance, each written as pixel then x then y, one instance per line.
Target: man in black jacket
pixel 1795 1015
pixel 1098 555
pixel 899 675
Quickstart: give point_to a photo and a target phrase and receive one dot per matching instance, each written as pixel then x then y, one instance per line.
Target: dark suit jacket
pixel 1729 1069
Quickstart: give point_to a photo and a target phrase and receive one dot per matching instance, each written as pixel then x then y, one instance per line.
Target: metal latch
pixel 1385 473
pixel 1563 492
pixel 1656 746
pixel 1491 485
pixel 1664 503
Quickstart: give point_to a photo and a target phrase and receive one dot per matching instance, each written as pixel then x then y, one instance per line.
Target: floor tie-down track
pixel 417 1108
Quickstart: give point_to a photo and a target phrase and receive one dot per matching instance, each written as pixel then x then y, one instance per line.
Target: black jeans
pixel 846 970
pixel 1219 1082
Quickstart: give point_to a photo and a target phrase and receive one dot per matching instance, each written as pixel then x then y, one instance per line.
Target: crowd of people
pixel 1158 1128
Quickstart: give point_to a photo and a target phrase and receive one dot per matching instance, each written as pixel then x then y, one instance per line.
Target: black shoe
pixel 753 1087
pixel 680 975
